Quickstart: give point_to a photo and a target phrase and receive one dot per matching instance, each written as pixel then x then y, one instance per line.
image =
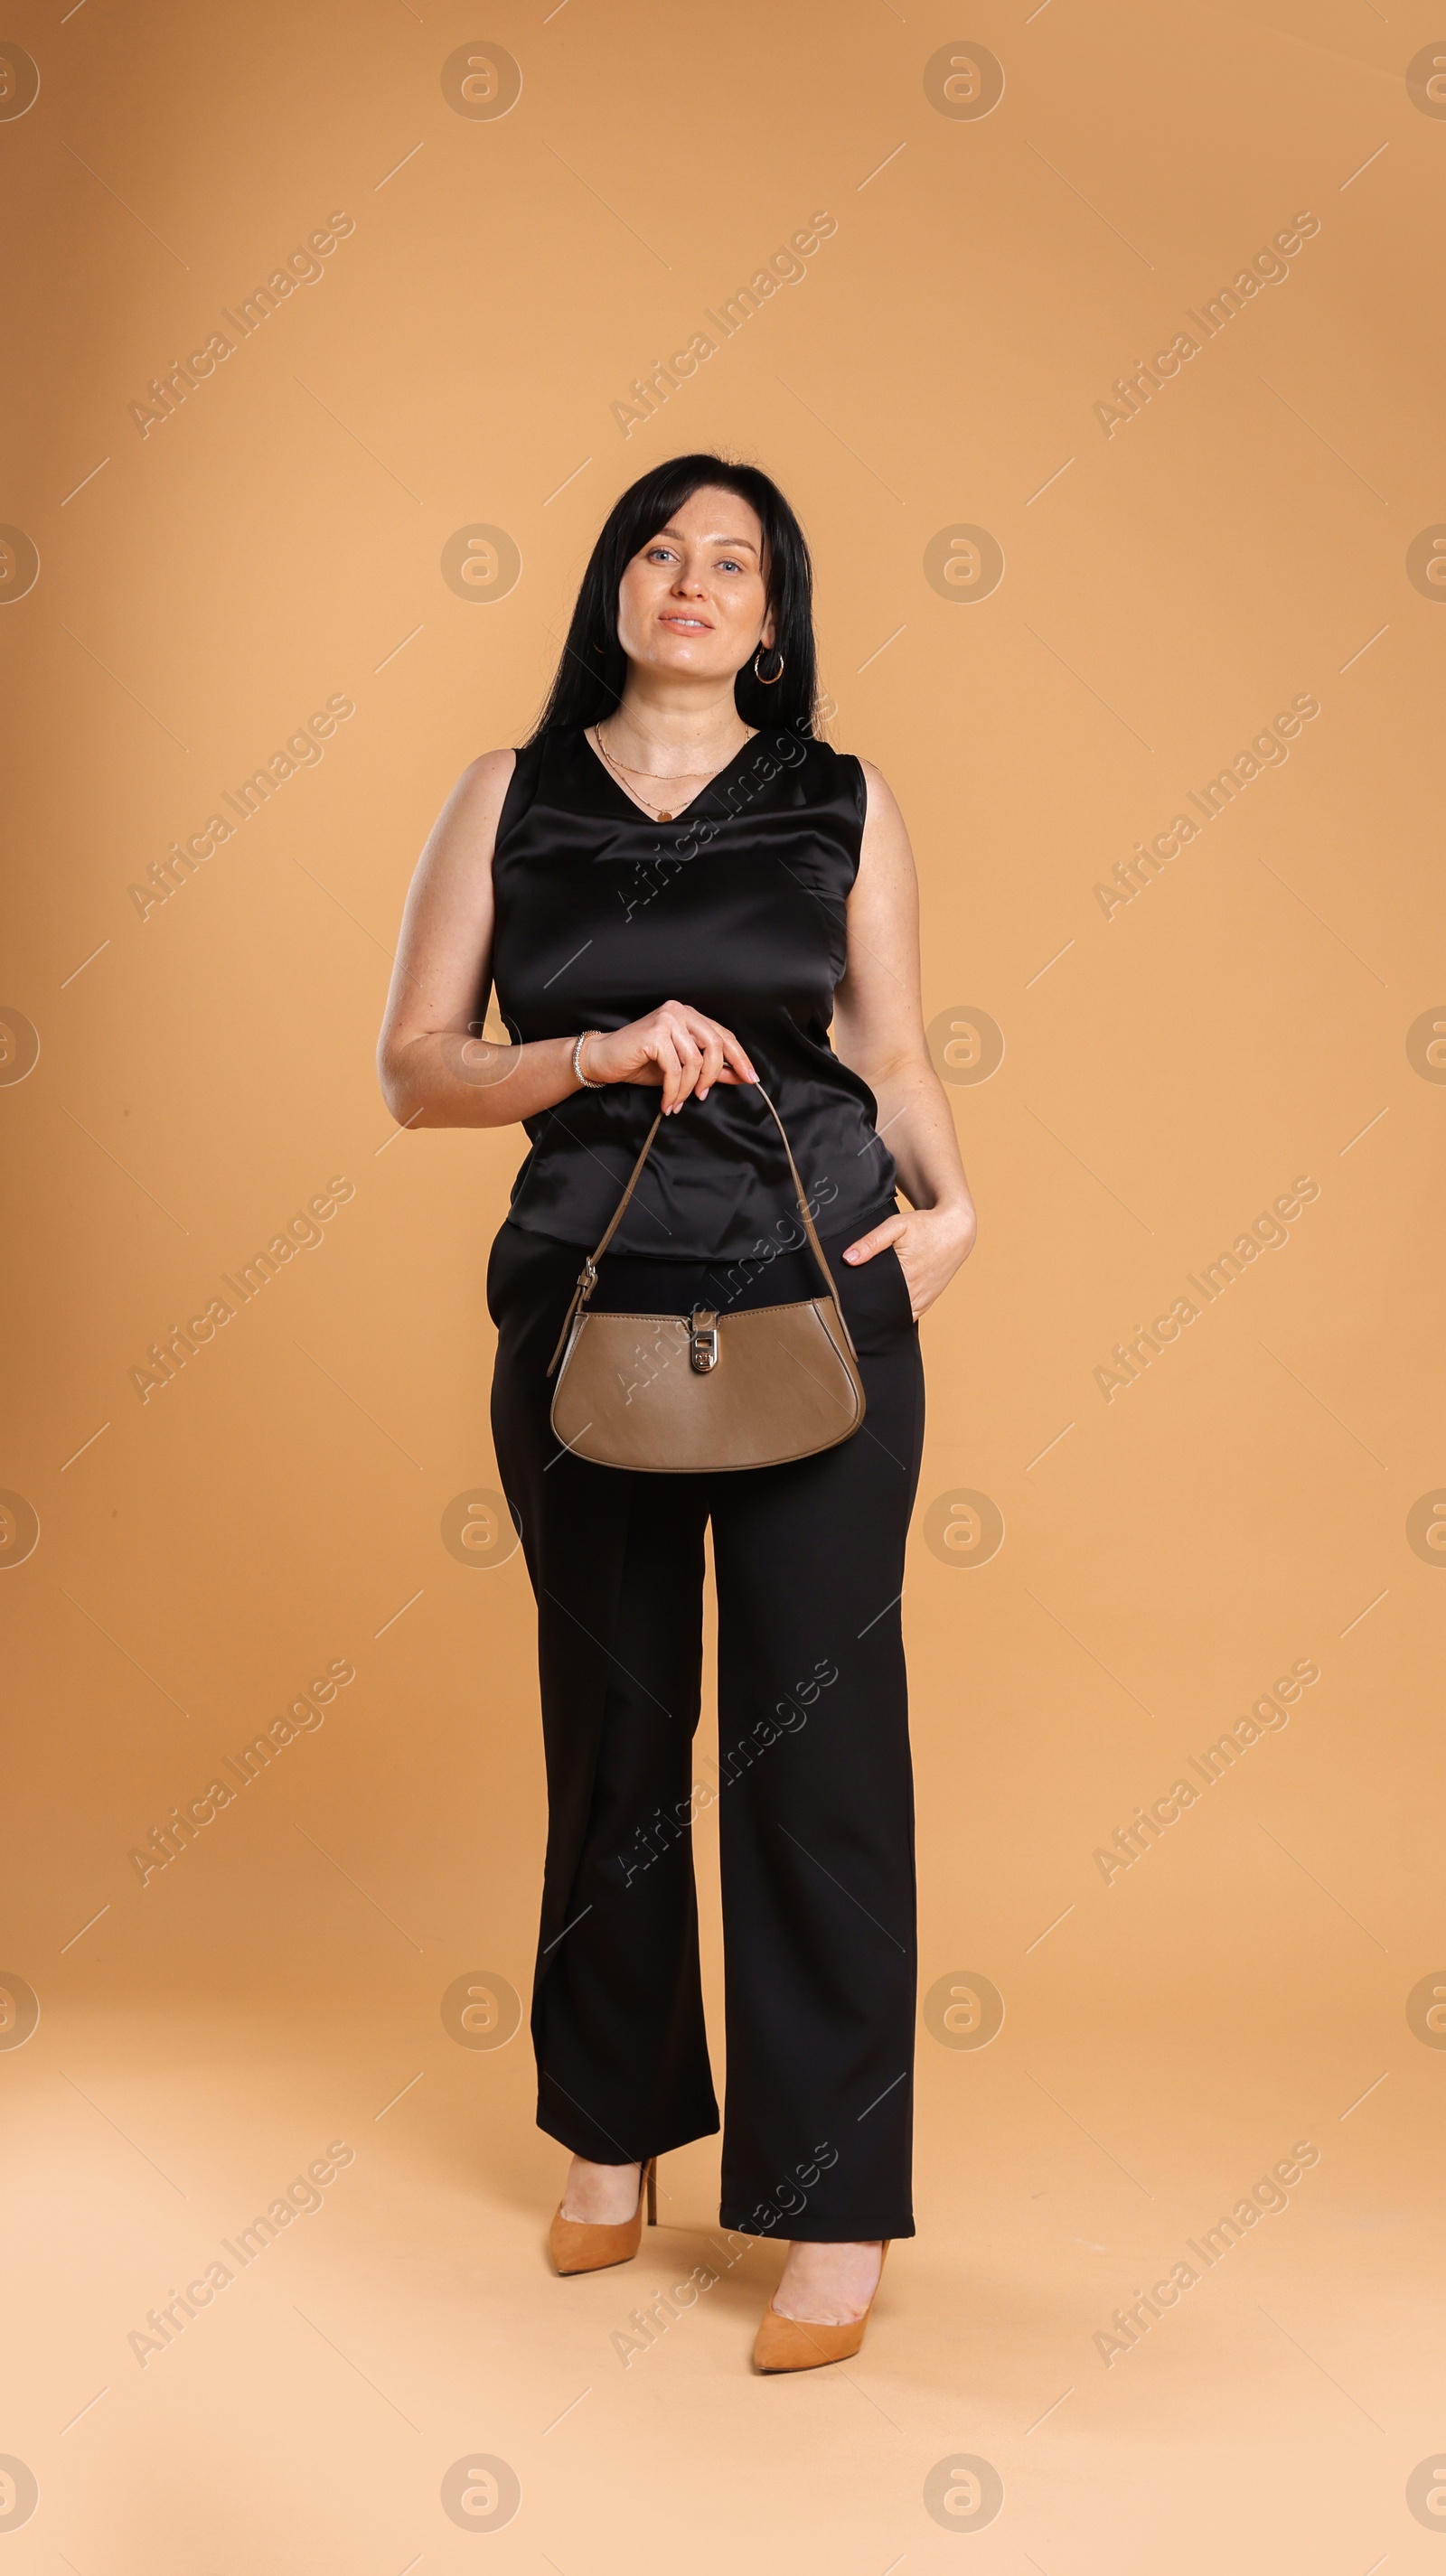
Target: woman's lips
pixel 689 625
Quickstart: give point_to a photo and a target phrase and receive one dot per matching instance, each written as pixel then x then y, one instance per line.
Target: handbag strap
pixel 587 1277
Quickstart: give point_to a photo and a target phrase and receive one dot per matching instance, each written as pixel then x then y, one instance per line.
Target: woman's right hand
pixel 676 1046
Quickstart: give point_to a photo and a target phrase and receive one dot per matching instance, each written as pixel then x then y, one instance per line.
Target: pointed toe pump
pixel 577 2245
pixel 795 2343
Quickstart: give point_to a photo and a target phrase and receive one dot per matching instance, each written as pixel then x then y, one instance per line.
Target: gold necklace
pixel 659 814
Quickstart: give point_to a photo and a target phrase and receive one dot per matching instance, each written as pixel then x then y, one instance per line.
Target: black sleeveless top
pixel 738 908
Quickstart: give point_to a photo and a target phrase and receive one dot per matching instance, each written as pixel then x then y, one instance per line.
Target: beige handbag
pixel 699 1392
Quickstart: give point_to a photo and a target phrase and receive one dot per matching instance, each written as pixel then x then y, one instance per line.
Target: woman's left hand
pixel 930 1242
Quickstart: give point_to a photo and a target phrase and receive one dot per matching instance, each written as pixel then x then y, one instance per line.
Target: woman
pixel 674 888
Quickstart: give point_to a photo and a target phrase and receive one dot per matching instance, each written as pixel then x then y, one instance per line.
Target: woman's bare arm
pixel 433 1072
pixel 879 1033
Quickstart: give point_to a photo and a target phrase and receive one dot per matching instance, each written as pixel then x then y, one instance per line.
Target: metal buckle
pixel 703 1340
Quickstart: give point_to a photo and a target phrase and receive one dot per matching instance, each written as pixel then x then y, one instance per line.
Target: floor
pixel 395 2371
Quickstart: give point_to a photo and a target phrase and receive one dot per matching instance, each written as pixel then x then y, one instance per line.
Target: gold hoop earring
pixel 778 674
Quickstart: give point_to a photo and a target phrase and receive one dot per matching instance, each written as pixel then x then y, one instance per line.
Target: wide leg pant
pixel 812 1786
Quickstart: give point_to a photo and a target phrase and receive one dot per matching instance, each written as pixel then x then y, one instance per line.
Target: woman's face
pixel 694 601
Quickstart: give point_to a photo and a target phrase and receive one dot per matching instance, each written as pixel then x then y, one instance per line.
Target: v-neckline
pixel 632 802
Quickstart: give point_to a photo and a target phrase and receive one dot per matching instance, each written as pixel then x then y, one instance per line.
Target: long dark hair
pixel 591 675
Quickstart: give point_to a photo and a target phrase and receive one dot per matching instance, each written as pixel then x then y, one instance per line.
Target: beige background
pixel 1168 1071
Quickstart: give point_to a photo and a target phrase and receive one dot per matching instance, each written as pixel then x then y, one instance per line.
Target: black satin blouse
pixel 737 907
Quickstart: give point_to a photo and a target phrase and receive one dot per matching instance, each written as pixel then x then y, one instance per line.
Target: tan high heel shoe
pixel 577 2245
pixel 794 2343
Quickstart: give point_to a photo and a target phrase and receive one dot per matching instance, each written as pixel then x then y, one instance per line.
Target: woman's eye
pixel 728 565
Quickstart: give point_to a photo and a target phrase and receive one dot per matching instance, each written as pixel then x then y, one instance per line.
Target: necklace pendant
pixel 665 818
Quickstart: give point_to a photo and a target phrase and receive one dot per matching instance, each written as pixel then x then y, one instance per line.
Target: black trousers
pixel 812 1786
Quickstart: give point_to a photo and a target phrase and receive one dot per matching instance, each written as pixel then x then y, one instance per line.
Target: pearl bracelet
pixel 577 1060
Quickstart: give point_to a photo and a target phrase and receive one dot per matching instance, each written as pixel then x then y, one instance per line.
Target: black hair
pixel 591 675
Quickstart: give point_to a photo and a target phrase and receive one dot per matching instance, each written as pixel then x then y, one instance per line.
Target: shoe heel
pixel 579 2245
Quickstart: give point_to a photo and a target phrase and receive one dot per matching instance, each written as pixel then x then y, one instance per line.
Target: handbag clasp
pixel 703 1340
